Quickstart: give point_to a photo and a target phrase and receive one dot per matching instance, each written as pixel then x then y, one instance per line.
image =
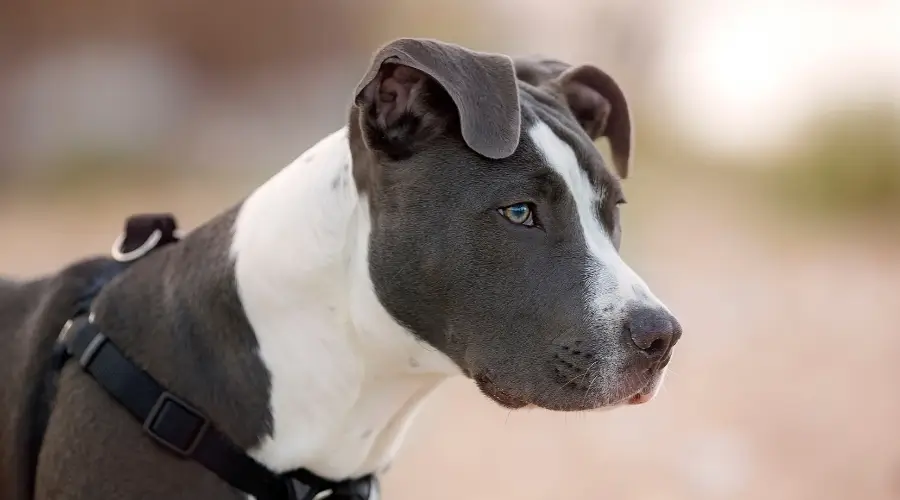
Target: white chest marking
pixel 343 388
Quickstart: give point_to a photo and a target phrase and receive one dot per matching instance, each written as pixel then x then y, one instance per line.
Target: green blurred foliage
pixel 847 163
pixel 844 164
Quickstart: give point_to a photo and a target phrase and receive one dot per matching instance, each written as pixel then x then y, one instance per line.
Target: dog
pixel 462 223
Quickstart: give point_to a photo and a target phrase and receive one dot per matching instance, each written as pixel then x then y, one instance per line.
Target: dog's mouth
pixel 500 396
pixel 649 391
pixel 642 397
pixel 508 399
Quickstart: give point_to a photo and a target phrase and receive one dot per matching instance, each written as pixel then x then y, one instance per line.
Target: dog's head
pixel 495 223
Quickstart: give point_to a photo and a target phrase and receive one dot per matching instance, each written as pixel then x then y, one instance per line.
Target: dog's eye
pixel 520 213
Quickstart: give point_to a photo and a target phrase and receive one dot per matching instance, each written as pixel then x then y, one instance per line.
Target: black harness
pixel 167 419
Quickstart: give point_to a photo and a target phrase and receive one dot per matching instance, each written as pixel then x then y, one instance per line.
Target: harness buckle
pixel 176 425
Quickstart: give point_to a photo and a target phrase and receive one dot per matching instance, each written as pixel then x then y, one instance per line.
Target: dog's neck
pixel 346 378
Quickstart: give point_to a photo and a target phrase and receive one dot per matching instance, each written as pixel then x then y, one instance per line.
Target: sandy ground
pixel 783 387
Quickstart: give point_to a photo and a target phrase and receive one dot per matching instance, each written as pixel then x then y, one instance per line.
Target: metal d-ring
pixel 323 494
pixel 138 252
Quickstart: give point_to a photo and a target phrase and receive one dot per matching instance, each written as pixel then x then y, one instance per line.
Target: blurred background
pixel 764 208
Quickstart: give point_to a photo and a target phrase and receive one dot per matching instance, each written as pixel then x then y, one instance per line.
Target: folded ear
pixel 594 98
pixel 416 89
pixel 600 107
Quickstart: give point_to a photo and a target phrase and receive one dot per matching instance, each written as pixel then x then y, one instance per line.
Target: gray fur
pixel 177 314
pixel 437 137
pixel 593 97
pixel 481 85
pixel 507 303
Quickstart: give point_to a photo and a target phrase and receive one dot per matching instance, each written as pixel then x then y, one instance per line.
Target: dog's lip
pixel 500 396
pixel 646 394
pixel 508 399
pixel 665 361
pixel 640 398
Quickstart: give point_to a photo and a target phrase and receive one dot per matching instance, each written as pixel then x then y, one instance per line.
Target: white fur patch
pixel 614 283
pixel 346 378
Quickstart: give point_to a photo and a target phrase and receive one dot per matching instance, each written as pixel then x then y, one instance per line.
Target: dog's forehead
pixel 541 108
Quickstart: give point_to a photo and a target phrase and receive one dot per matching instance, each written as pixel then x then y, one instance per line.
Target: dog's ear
pixel 416 89
pixel 594 98
pixel 599 105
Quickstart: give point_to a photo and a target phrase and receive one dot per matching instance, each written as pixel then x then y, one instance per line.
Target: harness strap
pixel 167 419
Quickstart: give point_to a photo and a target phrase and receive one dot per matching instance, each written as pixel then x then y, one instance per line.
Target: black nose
pixel 653 330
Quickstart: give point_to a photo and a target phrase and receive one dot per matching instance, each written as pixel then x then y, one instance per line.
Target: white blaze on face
pixel 613 283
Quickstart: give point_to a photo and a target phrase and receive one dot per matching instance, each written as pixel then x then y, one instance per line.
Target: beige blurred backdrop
pixel 764 208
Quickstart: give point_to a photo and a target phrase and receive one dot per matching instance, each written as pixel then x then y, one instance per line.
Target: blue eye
pixel 520 213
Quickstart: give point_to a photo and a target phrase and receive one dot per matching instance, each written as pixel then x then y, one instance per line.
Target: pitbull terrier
pixel 463 222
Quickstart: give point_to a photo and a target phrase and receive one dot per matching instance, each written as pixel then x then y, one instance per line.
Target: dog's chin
pixel 513 401
pixel 500 396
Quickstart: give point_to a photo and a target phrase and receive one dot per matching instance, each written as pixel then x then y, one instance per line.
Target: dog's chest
pixel 345 378
pixel 332 412
pixel 341 396
pixel 368 438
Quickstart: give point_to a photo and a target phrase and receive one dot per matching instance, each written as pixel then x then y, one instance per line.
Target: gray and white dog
pixel 463 222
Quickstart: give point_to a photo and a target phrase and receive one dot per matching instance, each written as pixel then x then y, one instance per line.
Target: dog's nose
pixel 653 330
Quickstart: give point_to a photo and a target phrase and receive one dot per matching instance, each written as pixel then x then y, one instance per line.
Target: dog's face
pixel 495 223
